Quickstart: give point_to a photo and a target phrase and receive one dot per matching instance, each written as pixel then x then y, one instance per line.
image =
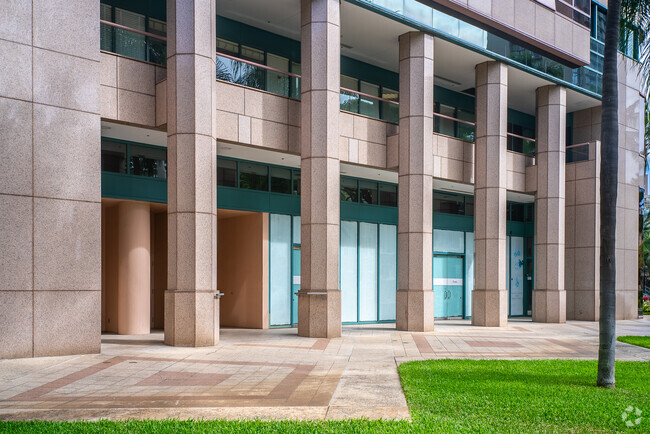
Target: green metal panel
pixel 454 99
pixel 520 118
pixel 453 222
pixel 259 201
pixel 369 213
pixel 370 73
pixel 132 187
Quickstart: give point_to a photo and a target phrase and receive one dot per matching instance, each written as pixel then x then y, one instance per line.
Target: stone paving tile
pixel 273 374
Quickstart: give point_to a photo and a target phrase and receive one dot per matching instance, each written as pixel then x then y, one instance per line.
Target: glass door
pixel 295 282
pixel 448 285
pixel 516 273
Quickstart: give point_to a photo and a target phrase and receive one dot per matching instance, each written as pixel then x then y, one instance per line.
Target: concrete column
pixel 549 296
pixel 50 182
pixel 415 291
pixel 319 299
pixel 191 306
pixel 134 274
pixel 490 296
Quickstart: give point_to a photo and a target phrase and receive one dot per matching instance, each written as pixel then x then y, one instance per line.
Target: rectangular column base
pixel 319 314
pixel 191 318
pixel 490 308
pixel 415 311
pixel 549 306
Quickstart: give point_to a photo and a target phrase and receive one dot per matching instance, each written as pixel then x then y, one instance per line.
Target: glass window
pixel 253 54
pixel 113 157
pixel 387 271
pixel 276 82
pixel 349 191
pixel 448 203
pixel 369 106
pixel 226 172
pixel 280 180
pixel 349 100
pixel 465 131
pixel 388 195
pixel 157 48
pixel 228 46
pixel 105 31
pixel 469 205
pixel 443 125
pixel 368 192
pixel 390 112
pixel 516 212
pixel 349 271
pixel 128 43
pixel 253 176
pixel 295 82
pixel 296 182
pixel 448 241
pixel 146 161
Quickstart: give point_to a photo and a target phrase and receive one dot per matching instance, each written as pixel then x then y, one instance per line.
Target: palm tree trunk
pixel 608 193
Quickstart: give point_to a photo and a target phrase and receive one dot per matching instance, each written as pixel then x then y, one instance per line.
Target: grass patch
pixel 455 396
pixel 523 395
pixel 641 341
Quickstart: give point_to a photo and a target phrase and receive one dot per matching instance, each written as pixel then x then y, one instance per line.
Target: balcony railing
pixel 522 144
pixel 133 43
pixel 578 152
pixel 454 127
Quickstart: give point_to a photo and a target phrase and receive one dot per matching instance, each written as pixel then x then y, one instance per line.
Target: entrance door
pixel 448 285
pixel 295 282
pixel 516 271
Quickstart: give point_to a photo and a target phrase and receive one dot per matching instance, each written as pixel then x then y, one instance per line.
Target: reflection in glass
pixel 280 180
pixel 147 161
pixel 226 172
pixel 368 192
pixel 388 195
pixel 349 191
pixel 113 157
pixel 253 176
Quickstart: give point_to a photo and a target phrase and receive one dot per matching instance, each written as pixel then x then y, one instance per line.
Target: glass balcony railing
pixel 454 127
pixel 133 43
pixel 578 152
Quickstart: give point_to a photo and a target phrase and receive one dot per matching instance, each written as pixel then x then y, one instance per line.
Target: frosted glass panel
pixel 367 272
pixel 280 269
pixel 469 271
pixel 387 271
pixel 348 271
pixel 448 241
pixel 296 229
pixel 516 270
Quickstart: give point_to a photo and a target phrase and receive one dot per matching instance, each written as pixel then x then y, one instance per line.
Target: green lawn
pixel 459 395
pixel 642 341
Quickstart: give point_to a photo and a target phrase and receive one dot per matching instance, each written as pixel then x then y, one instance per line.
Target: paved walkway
pixel 273 373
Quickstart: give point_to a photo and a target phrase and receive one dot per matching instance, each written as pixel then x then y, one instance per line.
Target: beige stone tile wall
pixel 49 179
pixel 583 206
pixel 363 140
pixel 128 90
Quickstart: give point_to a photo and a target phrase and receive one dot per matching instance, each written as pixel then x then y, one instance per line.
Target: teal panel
pixel 448 285
pixel 369 213
pixel 133 187
pixel 454 99
pixel 260 201
pixel 455 288
pixel 370 73
pixel 453 222
pixel 520 118
pixel 258 38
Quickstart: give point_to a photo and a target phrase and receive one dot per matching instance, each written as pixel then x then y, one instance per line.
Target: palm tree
pixel 635 16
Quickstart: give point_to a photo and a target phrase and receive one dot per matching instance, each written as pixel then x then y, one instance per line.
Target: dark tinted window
pixel 226 173
pixel 113 157
pixel 349 190
pixel 368 192
pixel 448 203
pixel 296 182
pixel 253 176
pixel 146 161
pixel 388 195
pixel 516 212
pixel 280 180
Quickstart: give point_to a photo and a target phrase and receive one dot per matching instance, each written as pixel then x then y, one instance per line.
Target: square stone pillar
pixel 191 306
pixel 414 308
pixel 490 296
pixel 319 299
pixel 549 296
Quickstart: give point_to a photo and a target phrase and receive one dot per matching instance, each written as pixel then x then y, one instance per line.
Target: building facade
pixel 189 166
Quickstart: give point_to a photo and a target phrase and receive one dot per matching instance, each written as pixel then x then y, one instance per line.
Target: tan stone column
pixel 549 296
pixel 414 307
pixel 191 306
pixel 490 296
pixel 319 299
pixel 134 272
